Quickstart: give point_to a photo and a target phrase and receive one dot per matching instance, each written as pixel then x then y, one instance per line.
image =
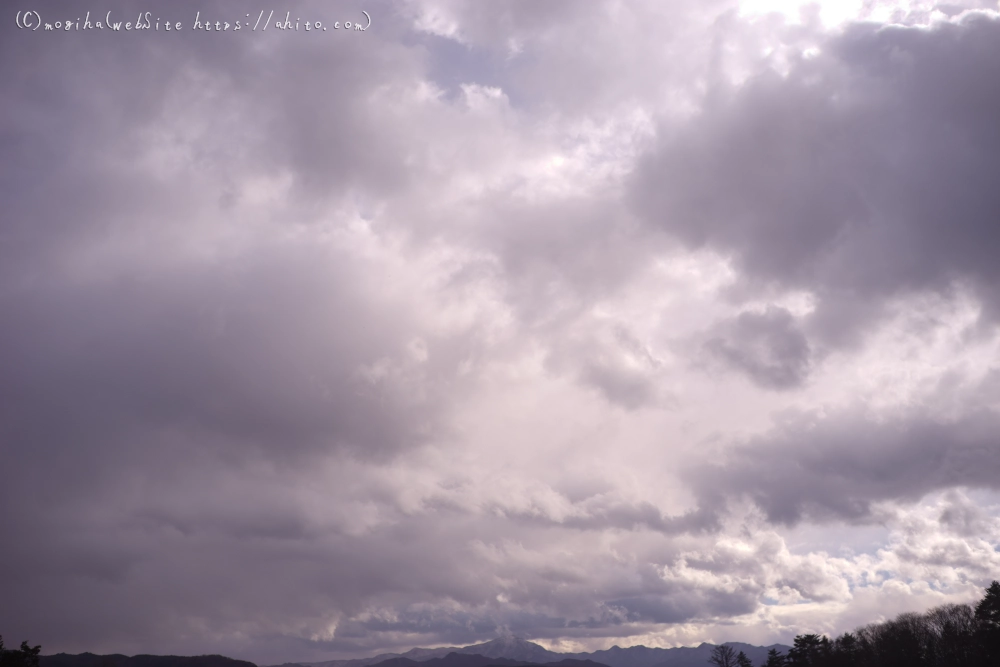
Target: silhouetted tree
pixel 845 651
pixel 988 609
pixel 988 621
pixel 953 635
pixel 742 660
pixel 952 628
pixel 775 658
pixel 27 656
pixel 808 651
pixel 723 656
pixel 906 640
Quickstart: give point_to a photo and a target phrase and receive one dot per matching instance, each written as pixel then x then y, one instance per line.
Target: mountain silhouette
pixel 513 648
pixel 116 660
pixel 510 651
pixel 683 656
pixel 455 659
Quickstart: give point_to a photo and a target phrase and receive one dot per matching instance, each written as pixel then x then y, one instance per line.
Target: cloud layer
pixel 596 323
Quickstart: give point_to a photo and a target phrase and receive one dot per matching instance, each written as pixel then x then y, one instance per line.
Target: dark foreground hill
pixel 91 660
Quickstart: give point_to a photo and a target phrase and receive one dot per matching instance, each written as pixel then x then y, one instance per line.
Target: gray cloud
pixel 862 174
pixel 838 466
pixel 118 320
pixel 678 607
pixel 964 517
pixel 767 346
pixel 176 323
pixel 631 390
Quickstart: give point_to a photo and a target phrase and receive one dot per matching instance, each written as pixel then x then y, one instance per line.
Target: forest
pixel 953 635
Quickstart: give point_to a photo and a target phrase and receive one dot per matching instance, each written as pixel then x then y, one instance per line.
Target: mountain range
pixel 115 660
pixel 515 652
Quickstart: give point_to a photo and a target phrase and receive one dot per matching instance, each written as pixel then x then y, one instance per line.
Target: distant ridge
pixel 116 660
pixel 455 659
pixel 510 651
pixel 511 648
pixel 682 656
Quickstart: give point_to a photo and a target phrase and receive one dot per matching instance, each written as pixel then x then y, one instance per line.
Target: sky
pixel 591 322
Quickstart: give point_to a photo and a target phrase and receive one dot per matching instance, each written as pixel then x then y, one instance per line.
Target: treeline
pixel 27 656
pixel 954 635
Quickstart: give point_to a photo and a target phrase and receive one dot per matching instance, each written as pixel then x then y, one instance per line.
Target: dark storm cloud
pixel 867 172
pixel 164 341
pixel 121 396
pixel 212 581
pixel 837 467
pixel 600 514
pixel 674 608
pixel 235 353
pixel 260 339
pixel 768 347
pixel 245 104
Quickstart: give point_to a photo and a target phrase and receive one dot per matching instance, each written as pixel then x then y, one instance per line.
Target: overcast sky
pixel 594 322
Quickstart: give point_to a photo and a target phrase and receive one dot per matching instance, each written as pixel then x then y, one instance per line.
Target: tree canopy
pixel 26 656
pixel 954 635
pixel 723 656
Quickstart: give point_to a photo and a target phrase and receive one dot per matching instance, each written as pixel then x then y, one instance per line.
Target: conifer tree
pixel 775 658
pixel 988 619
